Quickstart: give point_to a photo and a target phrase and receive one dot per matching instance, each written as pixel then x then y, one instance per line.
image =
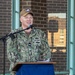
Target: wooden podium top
pixel 18 65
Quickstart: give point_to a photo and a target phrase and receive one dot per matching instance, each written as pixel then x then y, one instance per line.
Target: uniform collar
pixel 33 32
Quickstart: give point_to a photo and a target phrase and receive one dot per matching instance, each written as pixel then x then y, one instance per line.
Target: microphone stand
pixel 4 42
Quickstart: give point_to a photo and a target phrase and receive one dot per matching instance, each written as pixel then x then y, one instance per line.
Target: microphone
pixel 30 26
pixel 12 34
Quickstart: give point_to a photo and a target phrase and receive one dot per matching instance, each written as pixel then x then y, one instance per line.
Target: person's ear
pixel 21 18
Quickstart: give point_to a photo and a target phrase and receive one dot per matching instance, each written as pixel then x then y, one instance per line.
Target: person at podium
pixel 29 45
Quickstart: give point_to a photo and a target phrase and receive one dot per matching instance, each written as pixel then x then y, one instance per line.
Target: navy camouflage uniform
pixel 28 48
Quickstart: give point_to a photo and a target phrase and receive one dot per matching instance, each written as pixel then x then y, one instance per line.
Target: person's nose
pixel 29 19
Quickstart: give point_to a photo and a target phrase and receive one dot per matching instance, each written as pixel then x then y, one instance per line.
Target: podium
pixel 34 68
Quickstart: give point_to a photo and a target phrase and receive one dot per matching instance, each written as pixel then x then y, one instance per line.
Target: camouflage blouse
pixel 28 48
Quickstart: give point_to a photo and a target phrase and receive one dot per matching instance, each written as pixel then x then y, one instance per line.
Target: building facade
pixel 50 16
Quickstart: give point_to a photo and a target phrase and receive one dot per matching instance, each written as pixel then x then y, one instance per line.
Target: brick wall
pixel 57 33
pixel 5 27
pixel 55 6
pixel 40 14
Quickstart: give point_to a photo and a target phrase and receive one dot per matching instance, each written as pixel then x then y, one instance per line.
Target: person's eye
pixel 26 17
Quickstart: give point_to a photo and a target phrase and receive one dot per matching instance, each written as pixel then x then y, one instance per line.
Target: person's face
pixel 27 20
